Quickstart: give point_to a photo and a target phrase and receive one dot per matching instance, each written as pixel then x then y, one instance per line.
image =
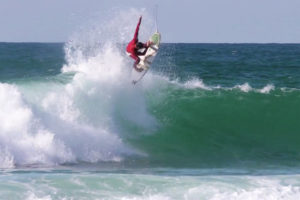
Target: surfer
pixel 135 48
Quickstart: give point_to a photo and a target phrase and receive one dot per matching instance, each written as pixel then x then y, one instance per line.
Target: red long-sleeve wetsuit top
pixel 131 46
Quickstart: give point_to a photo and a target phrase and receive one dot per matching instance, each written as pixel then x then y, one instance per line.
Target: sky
pixel 189 21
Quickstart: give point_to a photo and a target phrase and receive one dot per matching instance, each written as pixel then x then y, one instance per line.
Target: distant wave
pixel 195 83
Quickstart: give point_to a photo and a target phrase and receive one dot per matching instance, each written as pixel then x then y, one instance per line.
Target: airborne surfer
pixel 135 48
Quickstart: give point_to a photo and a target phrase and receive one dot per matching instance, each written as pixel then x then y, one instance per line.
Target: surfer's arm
pixel 137 29
pixel 143 52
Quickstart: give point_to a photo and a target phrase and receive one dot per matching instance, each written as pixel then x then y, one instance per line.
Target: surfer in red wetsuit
pixel 134 47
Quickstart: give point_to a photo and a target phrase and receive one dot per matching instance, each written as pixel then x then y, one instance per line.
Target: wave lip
pixel 196 83
pixel 245 87
pixel 267 89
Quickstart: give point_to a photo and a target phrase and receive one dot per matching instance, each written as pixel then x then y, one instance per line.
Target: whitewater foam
pixel 32 196
pixel 195 83
pixel 127 186
pixel 245 87
pixel 23 140
pixel 57 123
pixel 267 89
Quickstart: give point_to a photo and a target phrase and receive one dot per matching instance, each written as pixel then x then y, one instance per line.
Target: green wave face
pixel 222 128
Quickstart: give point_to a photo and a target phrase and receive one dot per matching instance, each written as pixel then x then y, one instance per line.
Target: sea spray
pixel 80 120
pixel 117 28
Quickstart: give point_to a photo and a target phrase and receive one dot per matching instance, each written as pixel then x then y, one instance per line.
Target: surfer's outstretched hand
pixel 149 43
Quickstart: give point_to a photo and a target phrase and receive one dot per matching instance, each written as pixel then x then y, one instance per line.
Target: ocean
pixel 208 121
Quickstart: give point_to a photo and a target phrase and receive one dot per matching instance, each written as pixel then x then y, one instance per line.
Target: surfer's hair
pixel 139 45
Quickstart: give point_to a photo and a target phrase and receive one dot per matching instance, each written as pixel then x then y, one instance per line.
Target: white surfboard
pixel 147 59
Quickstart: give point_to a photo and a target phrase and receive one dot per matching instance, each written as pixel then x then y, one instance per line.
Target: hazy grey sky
pixel 179 20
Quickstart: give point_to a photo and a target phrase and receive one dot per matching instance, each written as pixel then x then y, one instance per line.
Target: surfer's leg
pixel 135 65
pixel 136 68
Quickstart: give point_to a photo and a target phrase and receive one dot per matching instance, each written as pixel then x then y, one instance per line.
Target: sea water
pixel 208 121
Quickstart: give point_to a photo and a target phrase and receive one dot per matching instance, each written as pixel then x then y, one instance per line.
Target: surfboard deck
pixel 147 59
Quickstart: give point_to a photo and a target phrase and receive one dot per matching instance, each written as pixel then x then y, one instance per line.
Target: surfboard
pixel 147 59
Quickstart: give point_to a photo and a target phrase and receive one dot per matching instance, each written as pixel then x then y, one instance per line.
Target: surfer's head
pixel 139 45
